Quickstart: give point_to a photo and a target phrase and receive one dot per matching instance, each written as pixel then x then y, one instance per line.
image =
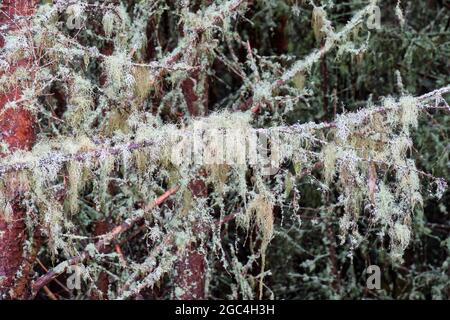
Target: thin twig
pixel 50 294
pixel 56 280
pixel 100 245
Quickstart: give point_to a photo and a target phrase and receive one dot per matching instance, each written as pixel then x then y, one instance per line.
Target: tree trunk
pixel 191 266
pixel 16 130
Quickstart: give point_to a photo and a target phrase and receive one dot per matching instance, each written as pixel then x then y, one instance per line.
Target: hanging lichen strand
pixel 120 140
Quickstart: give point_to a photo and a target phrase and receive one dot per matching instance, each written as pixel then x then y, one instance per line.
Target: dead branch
pixel 99 245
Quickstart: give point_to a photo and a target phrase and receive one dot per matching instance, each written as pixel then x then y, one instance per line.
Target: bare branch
pixel 99 245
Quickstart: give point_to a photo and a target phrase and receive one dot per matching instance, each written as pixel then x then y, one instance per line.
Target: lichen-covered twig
pixel 333 40
pixel 59 158
pixel 99 245
pixel 228 9
pixel 133 287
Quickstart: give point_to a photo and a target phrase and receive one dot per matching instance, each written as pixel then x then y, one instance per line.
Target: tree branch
pixel 58 158
pixel 99 245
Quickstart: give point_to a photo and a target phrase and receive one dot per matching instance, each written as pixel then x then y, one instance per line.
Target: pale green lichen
pixel 329 155
pixel 108 23
pixel 409 113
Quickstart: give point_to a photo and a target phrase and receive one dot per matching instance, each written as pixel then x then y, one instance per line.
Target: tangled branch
pixel 100 245
pixel 58 158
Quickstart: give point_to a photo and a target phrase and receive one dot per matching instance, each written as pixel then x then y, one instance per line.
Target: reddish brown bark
pixel 11 239
pixel 191 274
pixel 197 106
pixel 279 39
pixel 191 265
pixel 16 129
pixel 101 227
